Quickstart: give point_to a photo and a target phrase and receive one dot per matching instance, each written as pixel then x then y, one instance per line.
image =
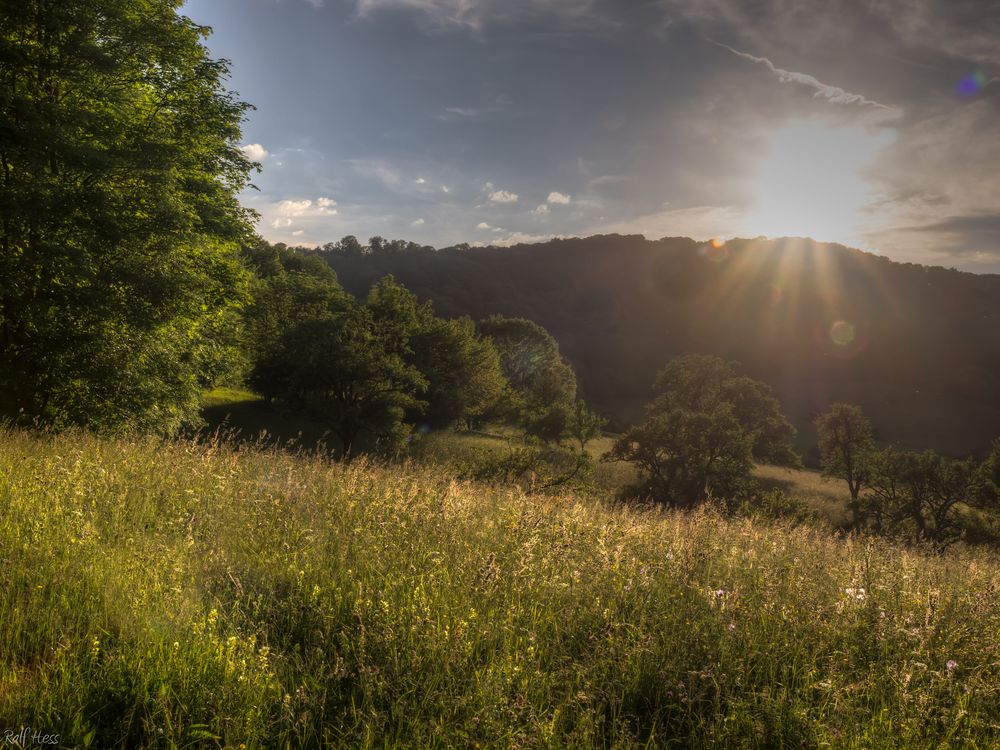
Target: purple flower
pixel 951 664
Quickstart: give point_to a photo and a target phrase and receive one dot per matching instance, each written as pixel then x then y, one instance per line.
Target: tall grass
pixel 169 594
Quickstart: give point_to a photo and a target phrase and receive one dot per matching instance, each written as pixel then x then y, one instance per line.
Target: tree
pixel 542 381
pixel 341 371
pixel 919 493
pixel 584 424
pixel 988 480
pixel 704 432
pixel 525 348
pixel 119 222
pixel 289 289
pixel 461 367
pixel 846 444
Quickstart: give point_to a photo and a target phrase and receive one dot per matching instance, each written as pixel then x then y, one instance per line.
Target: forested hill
pixel 917 347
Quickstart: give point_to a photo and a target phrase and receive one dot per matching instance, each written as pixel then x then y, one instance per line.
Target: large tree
pixel 342 371
pixel 920 494
pixel 119 223
pixel 462 367
pixel 704 432
pixel 543 382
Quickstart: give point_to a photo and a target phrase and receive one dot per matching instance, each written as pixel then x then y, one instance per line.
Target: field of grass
pixel 181 594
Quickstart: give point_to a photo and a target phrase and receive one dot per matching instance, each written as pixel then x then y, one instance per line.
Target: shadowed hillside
pixel 916 346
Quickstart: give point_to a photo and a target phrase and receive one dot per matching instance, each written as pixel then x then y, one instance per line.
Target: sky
pixel 875 123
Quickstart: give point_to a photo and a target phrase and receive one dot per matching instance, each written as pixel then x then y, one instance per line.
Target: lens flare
pixel 715 250
pixel 972 84
pixel 842 333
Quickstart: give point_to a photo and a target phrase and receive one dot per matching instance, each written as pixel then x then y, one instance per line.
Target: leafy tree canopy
pixel 846 445
pixel 119 223
pixel 704 432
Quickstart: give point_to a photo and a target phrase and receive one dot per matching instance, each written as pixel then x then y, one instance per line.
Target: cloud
pixel 560 198
pixel 420 181
pixel 495 106
pixel 833 94
pixel 254 151
pixel 417 223
pixel 483 225
pixel 445 189
pixel 378 171
pixel 542 209
pixel 474 14
pixel 289 211
pixel 298 232
pixel 503 196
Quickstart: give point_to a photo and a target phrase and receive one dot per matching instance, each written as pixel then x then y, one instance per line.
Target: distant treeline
pixel 915 346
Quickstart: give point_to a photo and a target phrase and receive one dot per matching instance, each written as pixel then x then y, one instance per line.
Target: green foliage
pixel 157 593
pixel 290 289
pixel 344 371
pixel 846 445
pixel 542 380
pixel 585 425
pixel 704 432
pixel 462 368
pixel 398 363
pixel 119 284
pixel 465 383
pixel 988 485
pixel 920 494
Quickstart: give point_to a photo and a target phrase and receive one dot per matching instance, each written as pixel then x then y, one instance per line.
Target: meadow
pixel 195 594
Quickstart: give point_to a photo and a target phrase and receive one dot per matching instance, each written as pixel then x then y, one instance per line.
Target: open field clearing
pixel 170 594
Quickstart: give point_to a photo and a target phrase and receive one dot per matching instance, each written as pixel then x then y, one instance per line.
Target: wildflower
pixel 856 593
pixel 720 592
pixel 732 627
pixel 951 664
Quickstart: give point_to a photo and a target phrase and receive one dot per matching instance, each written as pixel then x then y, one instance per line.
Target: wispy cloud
pixel 559 198
pixel 474 14
pixel 494 106
pixel 833 94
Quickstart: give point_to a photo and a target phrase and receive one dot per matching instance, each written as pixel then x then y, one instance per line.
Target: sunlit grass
pixel 183 595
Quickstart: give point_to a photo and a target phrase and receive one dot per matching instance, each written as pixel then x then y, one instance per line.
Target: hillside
pixel 919 352
pixel 163 594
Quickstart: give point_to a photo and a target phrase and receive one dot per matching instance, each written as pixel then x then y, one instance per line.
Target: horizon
pixel 496 124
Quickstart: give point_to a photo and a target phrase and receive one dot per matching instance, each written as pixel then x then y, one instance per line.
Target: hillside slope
pixel 172 594
pixel 917 347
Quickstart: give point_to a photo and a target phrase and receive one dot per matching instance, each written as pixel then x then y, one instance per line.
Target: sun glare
pixel 810 183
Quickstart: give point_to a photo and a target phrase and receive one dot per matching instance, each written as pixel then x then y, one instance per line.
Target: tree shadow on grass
pixel 249 419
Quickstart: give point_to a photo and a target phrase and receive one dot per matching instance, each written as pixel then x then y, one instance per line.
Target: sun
pixel 810 183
